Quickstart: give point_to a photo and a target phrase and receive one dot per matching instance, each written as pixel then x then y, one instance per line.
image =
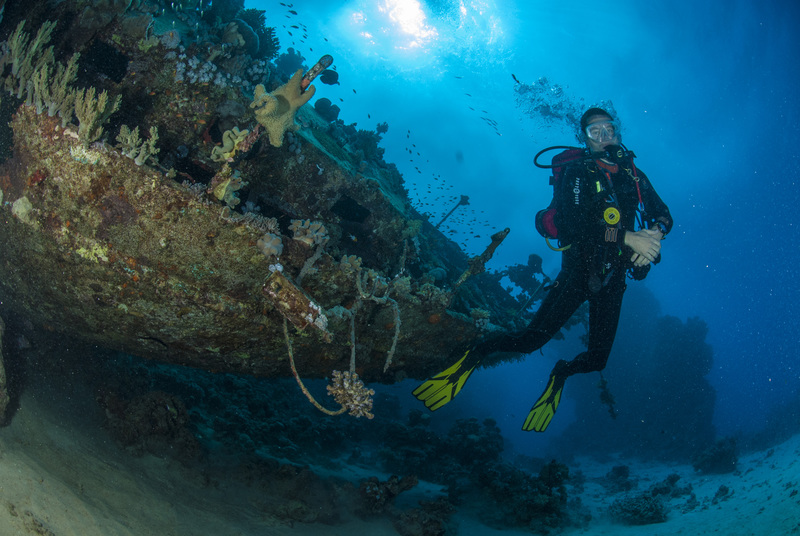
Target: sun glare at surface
pixel 430 36
pixel 409 18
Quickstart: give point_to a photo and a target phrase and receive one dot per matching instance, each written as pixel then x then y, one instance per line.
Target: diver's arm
pixel 657 210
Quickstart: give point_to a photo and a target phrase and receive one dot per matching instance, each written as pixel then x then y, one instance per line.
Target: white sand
pixel 61 475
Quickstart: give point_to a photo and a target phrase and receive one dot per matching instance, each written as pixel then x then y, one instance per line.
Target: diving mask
pixel 601 131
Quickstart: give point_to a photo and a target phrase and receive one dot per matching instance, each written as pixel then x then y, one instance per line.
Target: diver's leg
pixel 604 310
pixel 563 299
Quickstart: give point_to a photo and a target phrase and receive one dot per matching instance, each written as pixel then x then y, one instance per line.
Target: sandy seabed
pixel 61 474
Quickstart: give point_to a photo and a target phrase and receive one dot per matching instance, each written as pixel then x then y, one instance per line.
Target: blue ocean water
pixel 470 92
pixel 706 94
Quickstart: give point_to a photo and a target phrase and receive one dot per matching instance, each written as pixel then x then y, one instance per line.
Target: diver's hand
pixel 646 245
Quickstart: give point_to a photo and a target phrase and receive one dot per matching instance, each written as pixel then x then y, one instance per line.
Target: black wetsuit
pixel 594 267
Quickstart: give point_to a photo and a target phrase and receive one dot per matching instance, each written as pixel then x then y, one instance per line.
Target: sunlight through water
pixel 420 36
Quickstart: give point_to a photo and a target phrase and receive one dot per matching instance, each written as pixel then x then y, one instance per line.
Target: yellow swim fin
pixel 544 409
pixel 442 388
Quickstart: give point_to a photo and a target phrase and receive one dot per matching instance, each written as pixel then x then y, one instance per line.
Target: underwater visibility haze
pixel 705 97
pixel 190 230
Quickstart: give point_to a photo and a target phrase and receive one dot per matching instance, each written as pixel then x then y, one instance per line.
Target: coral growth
pixel 377 496
pixel 270 245
pixel 192 247
pixel 719 458
pixel 618 479
pixel 23 209
pixel 642 509
pixel 289 62
pixel 293 304
pixel 225 184
pixel 93 112
pixel 430 519
pixel 152 423
pixel 35 73
pixel 4 398
pixel 275 111
pixel 349 392
pixel 327 110
pixel 231 143
pixel 137 149
pixel 24 56
pixel 308 232
pixel 268 44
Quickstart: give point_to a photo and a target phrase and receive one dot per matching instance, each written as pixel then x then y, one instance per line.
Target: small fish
pixel 354 91
pixel 295 26
pixel 293 12
pixel 329 76
pixel 515 78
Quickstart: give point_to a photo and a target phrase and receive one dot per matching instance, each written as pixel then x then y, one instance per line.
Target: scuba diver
pixel 600 198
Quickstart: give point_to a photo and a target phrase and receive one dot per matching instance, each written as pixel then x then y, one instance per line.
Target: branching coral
pixel 34 72
pixel 50 88
pixel 350 264
pixel 275 111
pixel 92 111
pixel 639 510
pixel 268 43
pixel 346 387
pixel 349 391
pixel 134 147
pixel 26 56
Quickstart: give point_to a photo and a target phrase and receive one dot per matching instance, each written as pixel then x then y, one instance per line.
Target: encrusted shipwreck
pixel 105 243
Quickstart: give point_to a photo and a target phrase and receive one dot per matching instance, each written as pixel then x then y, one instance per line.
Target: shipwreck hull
pixel 125 257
